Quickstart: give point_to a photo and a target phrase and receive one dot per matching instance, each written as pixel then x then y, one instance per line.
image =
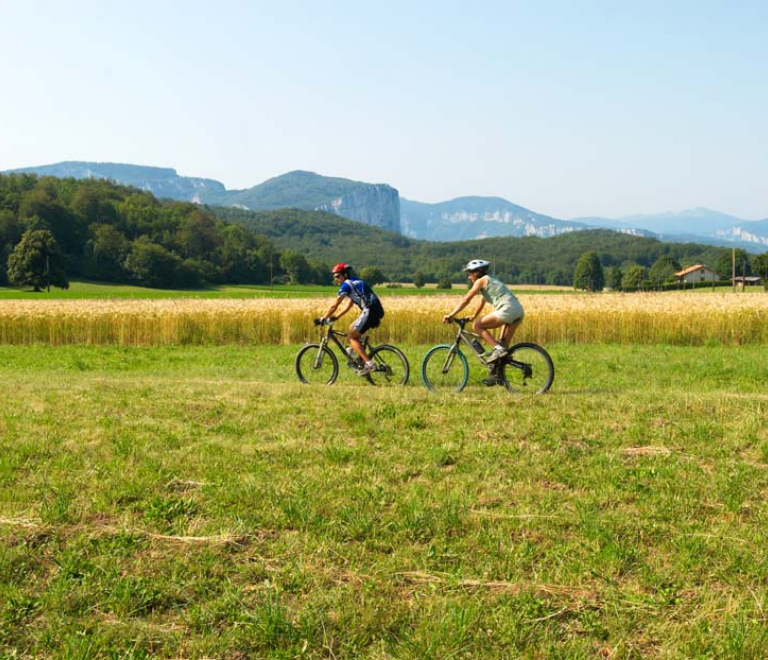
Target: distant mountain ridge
pixel 467 218
pixel 699 225
pixel 160 181
pixel 380 205
pixel 372 204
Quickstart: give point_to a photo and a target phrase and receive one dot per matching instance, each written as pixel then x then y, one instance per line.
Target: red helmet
pixel 341 267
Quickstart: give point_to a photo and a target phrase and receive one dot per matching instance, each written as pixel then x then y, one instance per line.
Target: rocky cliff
pixel 377 205
pixel 468 218
pixel 371 204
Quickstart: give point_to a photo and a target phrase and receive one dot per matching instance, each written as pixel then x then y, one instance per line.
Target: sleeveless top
pixel 497 294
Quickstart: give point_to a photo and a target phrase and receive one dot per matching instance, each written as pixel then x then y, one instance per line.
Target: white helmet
pixel 477 264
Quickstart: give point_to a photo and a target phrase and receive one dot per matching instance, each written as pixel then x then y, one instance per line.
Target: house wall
pixel 701 275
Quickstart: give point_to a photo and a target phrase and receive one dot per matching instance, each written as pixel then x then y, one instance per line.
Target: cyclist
pixel 507 312
pixel 353 290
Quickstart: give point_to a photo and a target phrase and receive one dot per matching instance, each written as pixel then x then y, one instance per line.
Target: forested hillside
pixel 99 230
pixel 328 238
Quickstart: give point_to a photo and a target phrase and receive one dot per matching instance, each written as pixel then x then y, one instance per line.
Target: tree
pixel 444 283
pixel 372 275
pixel 589 275
pixel 613 277
pixel 419 279
pixel 37 261
pixel 724 265
pixel 106 252
pixel 635 279
pixel 296 267
pixel 663 271
pixel 151 264
pixel 760 267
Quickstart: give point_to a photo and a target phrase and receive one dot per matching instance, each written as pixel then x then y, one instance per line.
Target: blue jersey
pixel 360 293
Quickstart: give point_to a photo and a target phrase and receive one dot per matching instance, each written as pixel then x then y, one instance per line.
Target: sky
pixel 568 108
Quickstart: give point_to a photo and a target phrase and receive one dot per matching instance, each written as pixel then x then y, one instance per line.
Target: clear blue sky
pixel 568 108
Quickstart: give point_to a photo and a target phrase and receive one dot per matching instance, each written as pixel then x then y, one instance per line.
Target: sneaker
pixel 367 368
pixel 490 382
pixel 497 353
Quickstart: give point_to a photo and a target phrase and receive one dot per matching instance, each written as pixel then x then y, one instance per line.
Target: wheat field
pixel 683 318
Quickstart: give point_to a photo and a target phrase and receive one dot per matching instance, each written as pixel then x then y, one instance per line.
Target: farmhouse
pixel 697 273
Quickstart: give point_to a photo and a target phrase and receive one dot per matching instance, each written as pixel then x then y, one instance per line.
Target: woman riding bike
pixel 507 311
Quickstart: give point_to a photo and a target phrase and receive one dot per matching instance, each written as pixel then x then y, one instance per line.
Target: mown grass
pixel 199 502
pixel 87 290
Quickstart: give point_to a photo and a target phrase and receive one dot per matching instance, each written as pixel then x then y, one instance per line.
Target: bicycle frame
pixel 466 336
pixel 333 335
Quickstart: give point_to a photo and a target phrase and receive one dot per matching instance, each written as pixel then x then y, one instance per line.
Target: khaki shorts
pixel 510 313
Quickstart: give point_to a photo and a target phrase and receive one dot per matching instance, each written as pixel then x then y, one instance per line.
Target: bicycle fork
pixel 449 359
pixel 318 363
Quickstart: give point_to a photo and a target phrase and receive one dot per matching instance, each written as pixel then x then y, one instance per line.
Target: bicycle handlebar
pixel 462 321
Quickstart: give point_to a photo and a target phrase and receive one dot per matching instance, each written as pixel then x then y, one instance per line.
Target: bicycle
pixel 317 363
pixel 527 368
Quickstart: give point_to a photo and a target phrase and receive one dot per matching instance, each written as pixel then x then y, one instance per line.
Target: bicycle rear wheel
pixel 315 366
pixel 392 366
pixel 444 369
pixel 528 369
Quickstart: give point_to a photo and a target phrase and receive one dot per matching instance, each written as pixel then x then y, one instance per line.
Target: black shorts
pixel 369 319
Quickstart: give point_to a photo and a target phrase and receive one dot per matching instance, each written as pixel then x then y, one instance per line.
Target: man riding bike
pixel 353 290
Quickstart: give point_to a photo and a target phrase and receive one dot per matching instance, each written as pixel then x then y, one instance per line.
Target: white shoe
pixel 367 368
pixel 497 353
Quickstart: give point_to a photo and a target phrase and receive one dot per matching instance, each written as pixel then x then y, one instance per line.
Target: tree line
pixel 628 262
pixel 589 274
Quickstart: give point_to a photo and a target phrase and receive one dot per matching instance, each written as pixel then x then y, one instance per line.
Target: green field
pixel 97 290
pixel 198 502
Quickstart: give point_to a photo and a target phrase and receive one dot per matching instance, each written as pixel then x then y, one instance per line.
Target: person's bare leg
pixel 354 342
pixel 507 332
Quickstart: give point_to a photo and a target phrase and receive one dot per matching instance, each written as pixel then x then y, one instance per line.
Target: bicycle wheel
pixel 444 369
pixel 528 369
pixel 315 366
pixel 392 366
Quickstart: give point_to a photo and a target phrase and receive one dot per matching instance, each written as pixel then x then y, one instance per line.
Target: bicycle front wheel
pixel 445 369
pixel 528 369
pixel 316 365
pixel 392 366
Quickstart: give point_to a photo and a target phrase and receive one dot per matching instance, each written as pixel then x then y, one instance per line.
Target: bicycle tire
pixel 444 369
pixel 312 371
pixel 392 366
pixel 537 374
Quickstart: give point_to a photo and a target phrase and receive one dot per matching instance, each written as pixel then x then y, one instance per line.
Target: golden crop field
pixel 683 318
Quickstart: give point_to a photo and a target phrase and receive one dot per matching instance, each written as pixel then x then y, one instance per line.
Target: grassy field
pixel 191 502
pixel 79 290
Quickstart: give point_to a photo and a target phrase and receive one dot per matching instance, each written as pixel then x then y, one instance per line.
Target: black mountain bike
pixel 527 369
pixel 318 364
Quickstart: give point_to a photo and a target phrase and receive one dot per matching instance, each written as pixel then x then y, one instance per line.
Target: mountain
pixel 752 233
pixel 372 204
pixel 162 182
pixel 698 225
pixel 468 218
